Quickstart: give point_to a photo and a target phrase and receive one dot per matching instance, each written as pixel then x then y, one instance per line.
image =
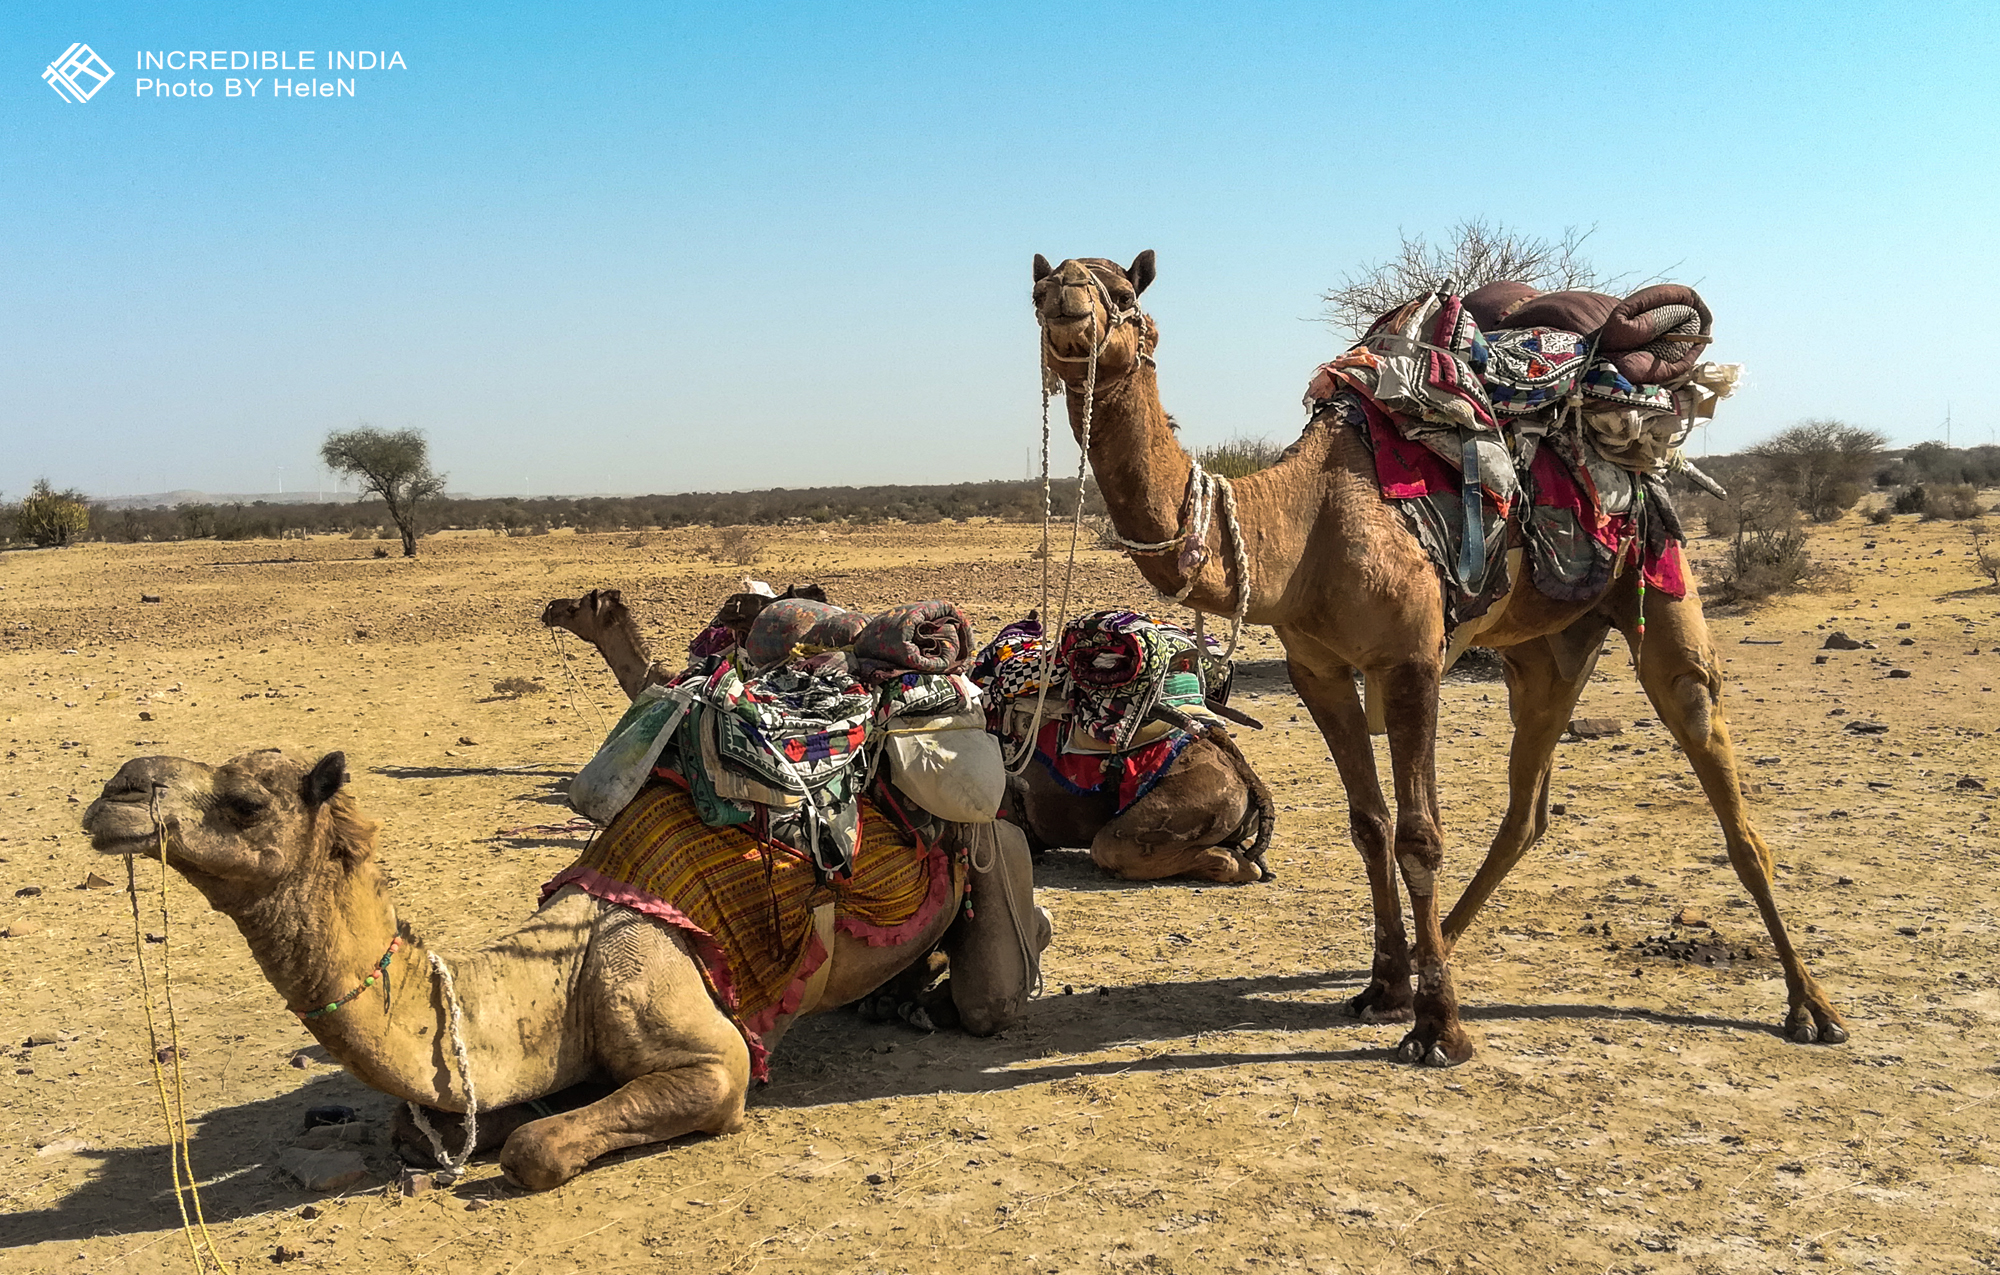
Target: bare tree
pixel 1476 254
pixel 395 465
pixel 1822 463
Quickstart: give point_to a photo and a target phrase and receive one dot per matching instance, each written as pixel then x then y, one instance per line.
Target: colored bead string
pixel 382 966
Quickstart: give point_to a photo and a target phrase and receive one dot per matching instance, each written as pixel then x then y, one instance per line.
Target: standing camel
pixel 1336 571
pixel 1189 824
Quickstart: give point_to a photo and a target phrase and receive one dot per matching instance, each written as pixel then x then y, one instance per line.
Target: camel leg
pixel 1337 711
pixel 996 951
pixel 686 1068
pixel 1541 700
pixel 1175 829
pixel 1411 693
pixel 696 1097
pixel 1678 668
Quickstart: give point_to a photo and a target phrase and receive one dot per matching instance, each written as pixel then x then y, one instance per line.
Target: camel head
pixel 239 831
pixel 1089 302
pixel 587 616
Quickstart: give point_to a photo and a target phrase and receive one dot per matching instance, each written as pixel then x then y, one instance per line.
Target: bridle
pixel 1205 491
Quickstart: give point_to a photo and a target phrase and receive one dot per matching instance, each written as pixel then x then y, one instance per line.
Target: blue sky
pixel 605 248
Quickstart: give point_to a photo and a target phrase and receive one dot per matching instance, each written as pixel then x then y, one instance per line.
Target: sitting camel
pixel 585 993
pixel 1338 572
pixel 1209 799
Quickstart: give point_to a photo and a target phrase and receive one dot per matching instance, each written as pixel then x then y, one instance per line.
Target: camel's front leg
pixel 1540 699
pixel 641 1001
pixel 1337 711
pixel 1411 690
pixel 1681 676
pixel 704 1096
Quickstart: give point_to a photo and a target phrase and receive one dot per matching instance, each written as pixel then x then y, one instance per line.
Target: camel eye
pixel 244 807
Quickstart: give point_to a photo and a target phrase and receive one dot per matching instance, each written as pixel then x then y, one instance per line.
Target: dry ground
pixel 1187 1097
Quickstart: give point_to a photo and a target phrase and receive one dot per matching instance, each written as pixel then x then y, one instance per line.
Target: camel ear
pixel 325 779
pixel 611 596
pixel 1042 268
pixel 1141 271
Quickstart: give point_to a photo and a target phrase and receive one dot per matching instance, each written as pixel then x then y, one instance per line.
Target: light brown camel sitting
pixel 1338 573
pixel 586 992
pixel 1209 817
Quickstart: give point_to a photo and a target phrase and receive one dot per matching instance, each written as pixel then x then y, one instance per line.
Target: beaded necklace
pixel 382 966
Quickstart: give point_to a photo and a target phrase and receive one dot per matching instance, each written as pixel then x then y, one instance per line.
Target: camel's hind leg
pixel 653 1021
pixel 1173 830
pixel 1540 698
pixel 1681 676
pixel 1338 713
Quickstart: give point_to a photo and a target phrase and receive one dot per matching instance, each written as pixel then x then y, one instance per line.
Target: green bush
pixel 1910 500
pixel 50 518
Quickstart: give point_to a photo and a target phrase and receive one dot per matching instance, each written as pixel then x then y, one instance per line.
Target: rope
pixel 454 1168
pixel 562 659
pixel 1052 630
pixel 201 1245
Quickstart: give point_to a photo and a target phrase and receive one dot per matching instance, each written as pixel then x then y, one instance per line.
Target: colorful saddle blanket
pixel 746 905
pixel 1564 521
pixel 1128 775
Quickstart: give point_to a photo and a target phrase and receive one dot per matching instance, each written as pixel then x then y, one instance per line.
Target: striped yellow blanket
pixel 747 908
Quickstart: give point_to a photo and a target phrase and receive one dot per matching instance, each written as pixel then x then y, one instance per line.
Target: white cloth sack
pixel 609 781
pixel 948 765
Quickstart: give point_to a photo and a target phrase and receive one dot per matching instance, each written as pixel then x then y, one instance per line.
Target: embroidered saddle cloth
pixel 748 906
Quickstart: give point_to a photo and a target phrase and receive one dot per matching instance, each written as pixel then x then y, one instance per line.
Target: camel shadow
pixel 827 1060
pixel 234 1151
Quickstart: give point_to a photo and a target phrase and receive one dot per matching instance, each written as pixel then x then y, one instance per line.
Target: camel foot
pixel 1810 1024
pixel 1431 1046
pixel 1384 1002
pixel 530 1162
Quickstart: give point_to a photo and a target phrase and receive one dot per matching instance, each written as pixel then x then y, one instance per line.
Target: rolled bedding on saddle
pixel 921 637
pixel 789 622
pixel 1637 336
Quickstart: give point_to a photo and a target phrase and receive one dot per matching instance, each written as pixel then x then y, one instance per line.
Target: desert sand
pixel 1187 1096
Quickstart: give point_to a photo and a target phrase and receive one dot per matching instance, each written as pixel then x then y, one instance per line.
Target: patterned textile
pixel 1573 544
pixel 1423 361
pixel 922 695
pixel 925 637
pixel 1603 381
pixel 1429 495
pixel 1132 773
pixel 798 728
pixel 1116 664
pixel 1010 668
pixel 748 911
pixel 1527 369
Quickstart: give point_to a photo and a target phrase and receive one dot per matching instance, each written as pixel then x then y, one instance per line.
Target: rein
pixel 1205 492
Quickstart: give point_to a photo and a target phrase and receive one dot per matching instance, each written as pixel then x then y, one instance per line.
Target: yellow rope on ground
pixel 201 1245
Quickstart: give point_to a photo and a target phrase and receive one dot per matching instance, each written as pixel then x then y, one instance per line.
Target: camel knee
pixel 1694 701
pixel 1370 832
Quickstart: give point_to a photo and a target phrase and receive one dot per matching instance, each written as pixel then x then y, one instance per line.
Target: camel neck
pixel 624 649
pixel 319 942
pixel 1143 471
